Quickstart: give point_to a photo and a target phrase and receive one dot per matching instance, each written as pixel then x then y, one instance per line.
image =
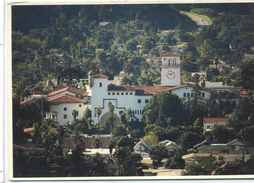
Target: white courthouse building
pixel 134 98
pixel 68 103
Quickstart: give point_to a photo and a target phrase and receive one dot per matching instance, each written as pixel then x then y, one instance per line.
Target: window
pixel 188 94
pixel 122 93
pixel 130 93
pixel 139 101
pixel 65 116
pixel 109 93
pixel 80 105
pixel 192 94
pixel 113 93
pixel 100 84
pixel 203 94
pixel 146 101
pixel 184 94
pixel 126 93
pixel 65 108
pixel 117 93
pixel 53 116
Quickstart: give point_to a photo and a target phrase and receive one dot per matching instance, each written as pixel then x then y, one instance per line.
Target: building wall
pixel 64 112
pixel 187 92
pixel 122 100
pixel 127 100
pixel 211 126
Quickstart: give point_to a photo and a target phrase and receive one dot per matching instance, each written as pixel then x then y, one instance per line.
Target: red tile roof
pixel 215 120
pixel 65 99
pixel 154 90
pixel 61 89
pixel 28 131
pixel 102 76
pixel 146 90
pixel 244 92
pixel 169 54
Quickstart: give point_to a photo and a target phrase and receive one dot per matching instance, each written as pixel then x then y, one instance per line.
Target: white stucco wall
pixel 211 126
pixel 101 98
pixel 187 92
pixel 127 100
pixel 60 112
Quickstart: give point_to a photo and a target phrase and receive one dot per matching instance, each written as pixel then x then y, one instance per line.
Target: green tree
pixel 223 134
pixel 243 114
pixel 132 44
pixel 166 110
pixel 176 161
pixel 246 73
pixel 158 153
pixel 109 120
pixel 204 166
pixel 189 139
pixel 247 134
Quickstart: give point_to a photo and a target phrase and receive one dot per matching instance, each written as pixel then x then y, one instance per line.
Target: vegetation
pixel 70 41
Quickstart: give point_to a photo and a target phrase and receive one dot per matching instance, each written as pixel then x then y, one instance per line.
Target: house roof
pixel 169 54
pixel 145 90
pixel 65 99
pixel 61 89
pixel 244 92
pixel 215 120
pixel 101 76
pixel 28 130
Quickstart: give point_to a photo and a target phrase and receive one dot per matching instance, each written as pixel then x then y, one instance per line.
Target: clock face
pixel 170 74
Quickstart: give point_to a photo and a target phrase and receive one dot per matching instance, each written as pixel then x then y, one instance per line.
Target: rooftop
pixel 65 99
pixel 101 76
pixel 215 120
pixel 146 90
pixel 62 88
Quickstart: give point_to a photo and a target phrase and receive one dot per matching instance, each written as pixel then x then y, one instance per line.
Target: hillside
pixel 201 20
pixel 65 42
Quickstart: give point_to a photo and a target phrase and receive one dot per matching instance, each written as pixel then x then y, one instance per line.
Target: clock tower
pixel 170 70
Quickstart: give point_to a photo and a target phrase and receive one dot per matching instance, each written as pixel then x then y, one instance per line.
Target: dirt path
pixel 201 20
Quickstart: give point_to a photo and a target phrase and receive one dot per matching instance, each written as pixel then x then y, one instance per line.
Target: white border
pixel 95 2
pixel 8 89
pixel 1 93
